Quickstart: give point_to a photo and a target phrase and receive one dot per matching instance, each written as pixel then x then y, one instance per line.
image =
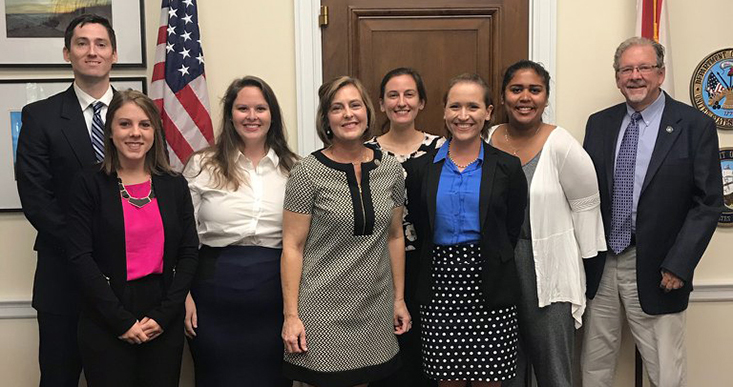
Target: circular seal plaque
pixel 711 87
pixel 726 167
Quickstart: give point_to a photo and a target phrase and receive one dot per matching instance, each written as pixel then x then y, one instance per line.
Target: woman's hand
pixel 151 328
pixel 135 335
pixel 293 335
pixel 191 321
pixel 402 319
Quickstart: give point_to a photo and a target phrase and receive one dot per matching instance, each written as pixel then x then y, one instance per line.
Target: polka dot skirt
pixel 462 339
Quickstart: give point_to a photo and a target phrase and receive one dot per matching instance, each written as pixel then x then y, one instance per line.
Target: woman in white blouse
pixel 562 226
pixel 234 310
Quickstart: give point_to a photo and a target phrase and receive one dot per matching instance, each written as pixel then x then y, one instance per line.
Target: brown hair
pixel 327 92
pixel 88 18
pixel 488 100
pixel 156 159
pixel 223 155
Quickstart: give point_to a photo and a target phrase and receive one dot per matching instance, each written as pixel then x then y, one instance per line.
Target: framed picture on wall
pixel 16 93
pixel 32 31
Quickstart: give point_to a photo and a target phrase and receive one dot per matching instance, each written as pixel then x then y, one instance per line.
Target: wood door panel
pixel 457 45
pixel 439 38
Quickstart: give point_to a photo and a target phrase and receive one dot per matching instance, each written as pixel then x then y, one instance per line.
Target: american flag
pixel 652 22
pixel 713 86
pixel 179 85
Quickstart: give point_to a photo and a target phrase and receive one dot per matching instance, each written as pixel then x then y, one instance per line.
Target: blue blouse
pixel 457 201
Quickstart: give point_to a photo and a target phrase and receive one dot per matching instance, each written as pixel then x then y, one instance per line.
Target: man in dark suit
pixel 661 194
pixel 60 136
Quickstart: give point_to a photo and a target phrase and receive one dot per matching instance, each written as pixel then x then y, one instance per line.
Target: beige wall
pixel 240 37
pixel 260 41
pixel 588 33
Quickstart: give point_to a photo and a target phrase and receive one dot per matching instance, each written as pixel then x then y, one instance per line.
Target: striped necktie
pixel 623 187
pixel 98 131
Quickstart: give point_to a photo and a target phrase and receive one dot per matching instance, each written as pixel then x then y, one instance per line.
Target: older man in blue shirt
pixel 661 195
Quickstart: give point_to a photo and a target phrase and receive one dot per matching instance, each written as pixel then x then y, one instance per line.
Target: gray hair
pixel 638 41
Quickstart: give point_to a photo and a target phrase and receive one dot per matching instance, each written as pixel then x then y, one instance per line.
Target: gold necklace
pixel 461 166
pixel 509 143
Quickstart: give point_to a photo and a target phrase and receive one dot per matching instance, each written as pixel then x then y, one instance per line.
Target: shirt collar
pixel 651 111
pixel 85 99
pixel 443 152
pixel 270 156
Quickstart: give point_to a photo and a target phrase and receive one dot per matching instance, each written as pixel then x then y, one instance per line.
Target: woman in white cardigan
pixel 563 225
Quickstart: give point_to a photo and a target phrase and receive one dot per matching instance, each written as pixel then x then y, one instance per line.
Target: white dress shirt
pixel 85 100
pixel 249 216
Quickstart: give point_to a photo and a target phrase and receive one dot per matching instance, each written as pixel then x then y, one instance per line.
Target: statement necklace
pixel 137 202
pixel 509 142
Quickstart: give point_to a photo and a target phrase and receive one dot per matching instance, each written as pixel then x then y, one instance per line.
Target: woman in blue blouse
pixel 468 199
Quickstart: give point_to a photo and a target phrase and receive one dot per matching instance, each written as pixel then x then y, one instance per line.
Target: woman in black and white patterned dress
pixel 467 199
pixel 402 95
pixel 343 251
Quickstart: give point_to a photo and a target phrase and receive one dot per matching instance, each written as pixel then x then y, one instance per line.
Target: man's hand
pixel 670 282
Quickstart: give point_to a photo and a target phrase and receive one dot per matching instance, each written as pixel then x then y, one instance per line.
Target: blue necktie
pixel 98 131
pixel 623 187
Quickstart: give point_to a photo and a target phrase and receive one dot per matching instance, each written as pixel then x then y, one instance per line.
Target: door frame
pixel 309 68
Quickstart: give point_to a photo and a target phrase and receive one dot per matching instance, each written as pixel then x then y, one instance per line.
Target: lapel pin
pixel 670 129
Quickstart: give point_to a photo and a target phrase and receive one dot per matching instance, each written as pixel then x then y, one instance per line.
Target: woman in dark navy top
pixel 467 201
pixel 132 246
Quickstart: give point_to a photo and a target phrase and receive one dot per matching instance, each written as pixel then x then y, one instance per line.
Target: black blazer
pixel 96 247
pixel 679 205
pixel 501 211
pixel 53 146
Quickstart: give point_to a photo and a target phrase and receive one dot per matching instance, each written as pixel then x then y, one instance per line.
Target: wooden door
pixel 439 38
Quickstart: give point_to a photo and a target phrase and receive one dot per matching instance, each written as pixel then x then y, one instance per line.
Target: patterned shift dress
pixel 346 297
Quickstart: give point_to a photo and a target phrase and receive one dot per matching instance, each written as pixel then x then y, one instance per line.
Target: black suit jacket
pixel 53 146
pixel 96 247
pixel 679 204
pixel 501 211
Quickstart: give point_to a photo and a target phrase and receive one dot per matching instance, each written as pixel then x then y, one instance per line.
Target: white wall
pixel 243 37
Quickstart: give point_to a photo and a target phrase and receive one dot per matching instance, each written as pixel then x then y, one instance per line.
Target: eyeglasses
pixel 643 70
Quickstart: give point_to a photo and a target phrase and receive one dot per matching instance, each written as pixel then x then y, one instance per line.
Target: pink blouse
pixel 144 238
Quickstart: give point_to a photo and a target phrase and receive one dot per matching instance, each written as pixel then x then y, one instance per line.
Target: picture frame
pixel 726 169
pixel 16 93
pixel 36 39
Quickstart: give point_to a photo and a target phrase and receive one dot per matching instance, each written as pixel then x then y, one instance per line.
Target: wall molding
pixel 704 292
pixel 309 74
pixel 543 45
pixel 16 309
pixel 712 292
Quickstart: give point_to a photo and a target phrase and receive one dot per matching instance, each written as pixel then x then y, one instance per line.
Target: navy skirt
pixel 239 305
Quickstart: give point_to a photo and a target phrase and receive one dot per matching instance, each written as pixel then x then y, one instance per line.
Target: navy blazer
pixel 96 247
pixel 679 205
pixel 503 198
pixel 53 146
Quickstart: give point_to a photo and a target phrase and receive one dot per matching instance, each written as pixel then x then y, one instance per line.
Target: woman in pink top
pixel 132 246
